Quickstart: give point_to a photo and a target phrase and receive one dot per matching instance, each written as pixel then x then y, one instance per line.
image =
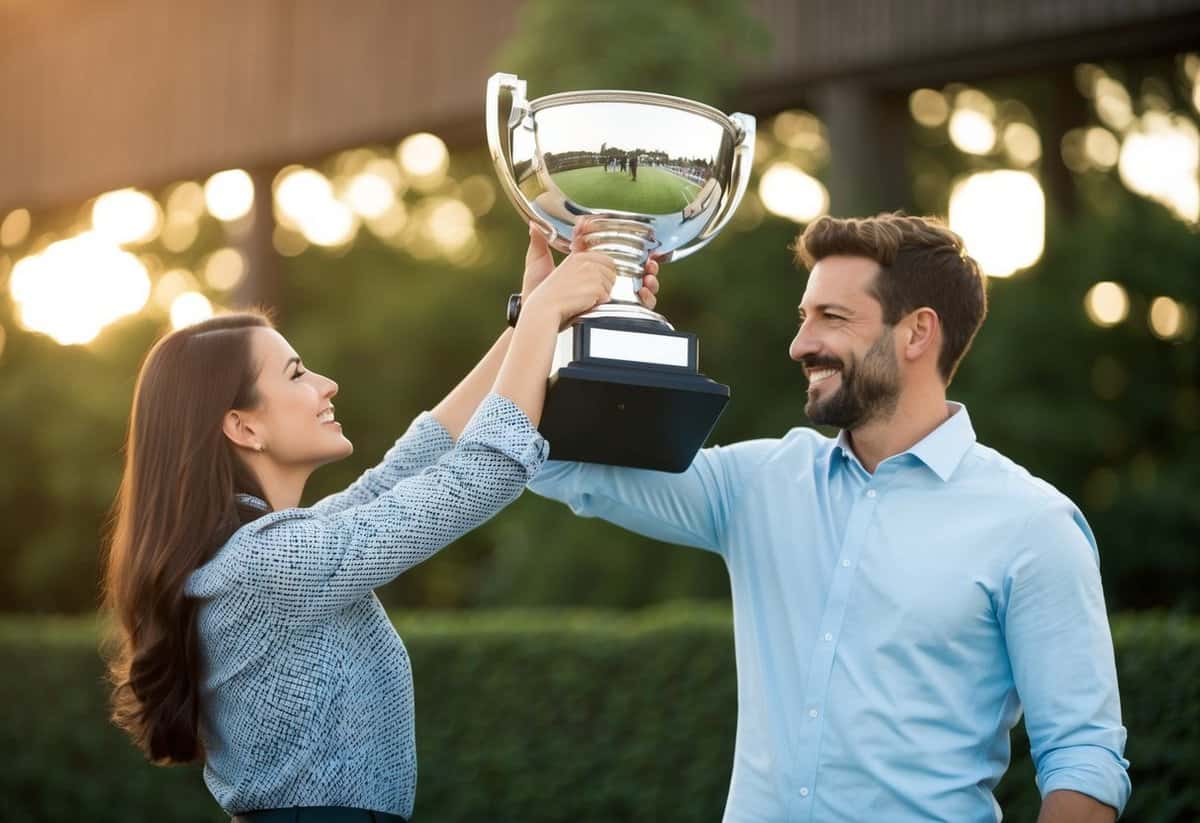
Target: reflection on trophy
pixel 632 174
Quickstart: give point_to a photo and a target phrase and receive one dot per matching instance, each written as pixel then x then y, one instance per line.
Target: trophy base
pixel 602 408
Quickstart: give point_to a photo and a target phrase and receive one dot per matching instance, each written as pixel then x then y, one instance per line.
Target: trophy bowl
pixel 648 173
pixel 629 174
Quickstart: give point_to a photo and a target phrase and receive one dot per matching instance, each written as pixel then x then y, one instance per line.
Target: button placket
pixel 821 661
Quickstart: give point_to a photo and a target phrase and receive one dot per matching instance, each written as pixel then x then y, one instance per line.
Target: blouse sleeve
pixel 419 447
pixel 314 563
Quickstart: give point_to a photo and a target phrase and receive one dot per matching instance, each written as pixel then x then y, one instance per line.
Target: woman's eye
pixel 299 374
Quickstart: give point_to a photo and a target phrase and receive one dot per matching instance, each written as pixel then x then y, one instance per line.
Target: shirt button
pixel 870 492
pixel 804 791
pixel 812 713
pixel 845 564
pixel 828 637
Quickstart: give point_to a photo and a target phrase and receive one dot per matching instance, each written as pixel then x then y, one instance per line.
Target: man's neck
pixel 916 416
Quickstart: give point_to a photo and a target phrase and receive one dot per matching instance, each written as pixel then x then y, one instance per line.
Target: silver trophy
pixel 641 174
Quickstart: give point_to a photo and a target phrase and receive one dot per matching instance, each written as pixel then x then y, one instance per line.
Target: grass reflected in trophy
pixel 629 174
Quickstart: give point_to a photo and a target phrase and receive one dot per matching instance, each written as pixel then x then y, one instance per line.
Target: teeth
pixel 818 375
pixel 326 416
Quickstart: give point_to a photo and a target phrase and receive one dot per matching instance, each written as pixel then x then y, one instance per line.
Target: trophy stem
pixel 628 243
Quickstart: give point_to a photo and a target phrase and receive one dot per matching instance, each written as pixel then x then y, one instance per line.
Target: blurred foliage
pixel 1110 416
pixel 695 49
pixel 543 716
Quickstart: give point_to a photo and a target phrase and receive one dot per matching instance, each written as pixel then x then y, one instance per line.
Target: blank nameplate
pixel 613 344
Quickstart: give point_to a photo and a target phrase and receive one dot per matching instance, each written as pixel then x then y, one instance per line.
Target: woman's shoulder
pixel 229 563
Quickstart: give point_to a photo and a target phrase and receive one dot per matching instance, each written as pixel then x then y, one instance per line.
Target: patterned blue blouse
pixel 307 696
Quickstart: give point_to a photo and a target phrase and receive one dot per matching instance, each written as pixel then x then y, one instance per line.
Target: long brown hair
pixel 176 506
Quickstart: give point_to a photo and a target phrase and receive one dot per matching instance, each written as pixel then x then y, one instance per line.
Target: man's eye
pixel 834 317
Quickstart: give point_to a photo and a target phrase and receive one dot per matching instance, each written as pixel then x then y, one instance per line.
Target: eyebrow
pixel 825 307
pixel 290 361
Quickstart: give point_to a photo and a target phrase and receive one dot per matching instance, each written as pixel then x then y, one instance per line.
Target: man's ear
pixel 241 431
pixel 922 333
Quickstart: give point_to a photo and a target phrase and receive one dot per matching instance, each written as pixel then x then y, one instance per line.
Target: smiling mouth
pixel 326 416
pixel 816 376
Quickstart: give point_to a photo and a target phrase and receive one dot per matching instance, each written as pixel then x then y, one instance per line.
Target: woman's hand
pixel 581 282
pixel 539 263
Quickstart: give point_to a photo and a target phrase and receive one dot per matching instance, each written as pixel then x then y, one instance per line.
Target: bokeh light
pixel 971 131
pixel 390 224
pixel 75 287
pixel 799 130
pixel 172 284
pixel 1168 318
pixel 1101 148
pixel 1106 303
pixel 287 242
pixel 1001 217
pixel 224 269
pixel 126 216
pixel 190 308
pixel 3 341
pixel 789 192
pixel 1113 106
pixel 423 156
pixel 479 194
pixel 179 232
pixel 304 201
pixel 1159 160
pixel 15 228
pixel 1022 144
pixel 229 195
pixel 928 107
pixel 369 194
pixel 186 199
pixel 450 224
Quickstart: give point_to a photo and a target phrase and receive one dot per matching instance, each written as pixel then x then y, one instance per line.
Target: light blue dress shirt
pixel 890 627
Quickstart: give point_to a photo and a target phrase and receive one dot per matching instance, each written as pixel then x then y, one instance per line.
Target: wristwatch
pixel 514 308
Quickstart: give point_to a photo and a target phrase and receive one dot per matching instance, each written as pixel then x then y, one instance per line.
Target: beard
pixel 869 390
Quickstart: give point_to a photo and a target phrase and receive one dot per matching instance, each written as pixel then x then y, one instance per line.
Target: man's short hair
pixel 921 264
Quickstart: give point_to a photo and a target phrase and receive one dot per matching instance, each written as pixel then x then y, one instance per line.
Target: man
pixel 900 593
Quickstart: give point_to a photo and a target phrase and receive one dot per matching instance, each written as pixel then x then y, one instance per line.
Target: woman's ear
pixel 922 334
pixel 242 431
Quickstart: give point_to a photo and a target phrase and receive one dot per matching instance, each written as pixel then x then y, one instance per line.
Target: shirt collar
pixel 252 502
pixel 941 450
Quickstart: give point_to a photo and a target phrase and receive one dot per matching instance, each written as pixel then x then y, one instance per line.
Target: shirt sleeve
pixel 314 564
pixel 690 508
pixel 1059 643
pixel 419 447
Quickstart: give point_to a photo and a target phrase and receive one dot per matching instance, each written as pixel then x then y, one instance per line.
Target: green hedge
pixel 541 716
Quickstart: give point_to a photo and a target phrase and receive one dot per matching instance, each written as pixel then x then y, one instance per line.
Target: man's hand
pixel 539 263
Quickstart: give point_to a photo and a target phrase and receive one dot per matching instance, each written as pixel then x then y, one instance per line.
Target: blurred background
pixel 162 161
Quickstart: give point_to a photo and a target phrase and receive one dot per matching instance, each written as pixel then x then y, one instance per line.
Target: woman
pixel 249 636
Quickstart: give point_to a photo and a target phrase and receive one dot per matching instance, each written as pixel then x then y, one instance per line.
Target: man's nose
pixel 803 345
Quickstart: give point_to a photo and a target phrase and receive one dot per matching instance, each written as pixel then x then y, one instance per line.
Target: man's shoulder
pixel 798 445
pixel 1007 479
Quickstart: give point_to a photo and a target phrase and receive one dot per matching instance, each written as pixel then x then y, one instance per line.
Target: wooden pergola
pixel 102 94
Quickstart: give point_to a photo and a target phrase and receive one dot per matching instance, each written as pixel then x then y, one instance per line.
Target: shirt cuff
pixel 500 424
pixel 1106 782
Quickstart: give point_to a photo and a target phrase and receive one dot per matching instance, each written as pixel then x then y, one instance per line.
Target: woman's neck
pixel 283 486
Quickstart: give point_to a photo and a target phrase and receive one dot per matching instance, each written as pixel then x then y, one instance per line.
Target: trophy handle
pixel 743 160
pixel 501 158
